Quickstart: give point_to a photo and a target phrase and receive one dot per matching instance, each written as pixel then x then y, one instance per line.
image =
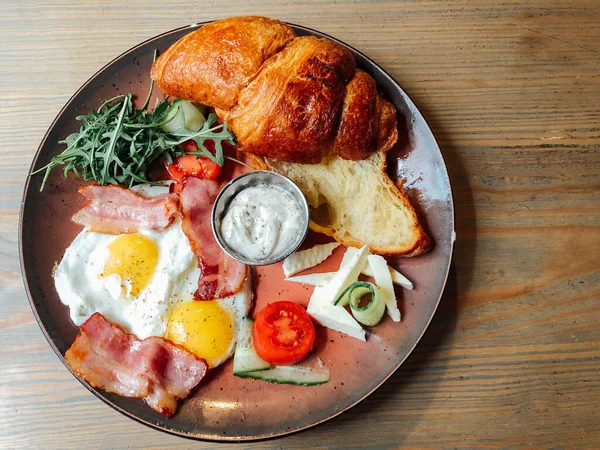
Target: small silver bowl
pixel 250 179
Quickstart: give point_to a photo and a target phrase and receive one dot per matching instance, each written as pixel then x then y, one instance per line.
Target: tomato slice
pixel 189 146
pixel 189 165
pixel 283 333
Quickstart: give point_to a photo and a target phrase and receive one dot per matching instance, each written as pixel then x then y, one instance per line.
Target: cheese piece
pixel 383 280
pixel 305 259
pixel 331 316
pixel 347 275
pixel 320 279
pixel 350 252
pixel 397 277
pixel 314 279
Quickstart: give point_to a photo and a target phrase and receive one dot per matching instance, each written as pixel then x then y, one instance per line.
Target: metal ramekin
pixel 250 179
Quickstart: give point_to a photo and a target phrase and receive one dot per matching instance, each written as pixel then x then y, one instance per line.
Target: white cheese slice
pixel 347 275
pixel 397 277
pixel 305 259
pixel 314 279
pixel 383 280
pixel 350 252
pixel 331 316
pixel 319 279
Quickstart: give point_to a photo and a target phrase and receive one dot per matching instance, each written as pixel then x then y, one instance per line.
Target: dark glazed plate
pixel 226 408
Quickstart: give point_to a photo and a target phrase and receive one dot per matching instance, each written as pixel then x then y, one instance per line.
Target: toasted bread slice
pixel 356 203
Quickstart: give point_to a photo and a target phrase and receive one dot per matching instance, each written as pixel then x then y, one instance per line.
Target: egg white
pixel 238 307
pixel 81 287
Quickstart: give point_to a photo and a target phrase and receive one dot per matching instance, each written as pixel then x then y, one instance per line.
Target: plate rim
pixel 232 439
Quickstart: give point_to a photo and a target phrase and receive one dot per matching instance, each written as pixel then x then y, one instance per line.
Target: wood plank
pixel 511 90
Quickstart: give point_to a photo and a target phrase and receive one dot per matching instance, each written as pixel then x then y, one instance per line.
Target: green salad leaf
pixel 118 144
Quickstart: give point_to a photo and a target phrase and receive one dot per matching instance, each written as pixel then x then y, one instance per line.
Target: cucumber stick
pixel 302 376
pixel 245 358
pixel 247 364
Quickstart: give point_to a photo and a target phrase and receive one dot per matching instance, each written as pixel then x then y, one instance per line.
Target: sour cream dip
pixel 262 222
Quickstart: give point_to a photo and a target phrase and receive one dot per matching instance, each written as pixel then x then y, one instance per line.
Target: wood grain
pixel 511 90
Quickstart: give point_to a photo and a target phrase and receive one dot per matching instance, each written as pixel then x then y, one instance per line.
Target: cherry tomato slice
pixel 189 165
pixel 283 333
pixel 189 146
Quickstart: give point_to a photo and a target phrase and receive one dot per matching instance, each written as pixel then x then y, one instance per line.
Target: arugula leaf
pixel 117 144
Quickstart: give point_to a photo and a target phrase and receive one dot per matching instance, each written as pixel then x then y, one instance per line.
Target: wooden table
pixel 512 92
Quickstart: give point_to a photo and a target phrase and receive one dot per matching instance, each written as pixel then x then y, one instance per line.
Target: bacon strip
pixel 115 210
pixel 220 275
pixel 154 369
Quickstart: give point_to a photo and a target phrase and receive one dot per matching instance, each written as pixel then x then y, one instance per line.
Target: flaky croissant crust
pixel 292 98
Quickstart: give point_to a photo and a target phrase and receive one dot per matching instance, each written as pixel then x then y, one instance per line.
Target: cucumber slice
pixel 298 375
pixel 245 358
pixel 370 314
pixel 247 364
pixel 186 115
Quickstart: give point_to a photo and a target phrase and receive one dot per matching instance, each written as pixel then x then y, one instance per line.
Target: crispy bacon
pixel 154 369
pixel 220 275
pixel 115 210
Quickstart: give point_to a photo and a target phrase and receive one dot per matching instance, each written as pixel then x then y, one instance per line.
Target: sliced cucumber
pixel 247 364
pixel 298 375
pixel 186 115
pixel 245 358
pixel 370 314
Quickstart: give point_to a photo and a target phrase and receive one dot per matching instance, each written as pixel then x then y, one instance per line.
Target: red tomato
pixel 283 333
pixel 189 165
pixel 189 146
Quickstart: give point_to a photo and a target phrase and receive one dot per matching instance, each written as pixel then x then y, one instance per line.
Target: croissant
pixel 296 99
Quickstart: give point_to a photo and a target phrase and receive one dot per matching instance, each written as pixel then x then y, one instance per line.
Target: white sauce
pixel 262 222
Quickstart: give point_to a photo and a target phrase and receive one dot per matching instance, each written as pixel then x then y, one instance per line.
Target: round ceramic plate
pixel 224 407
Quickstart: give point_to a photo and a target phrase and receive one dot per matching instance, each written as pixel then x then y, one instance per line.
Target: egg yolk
pixel 133 257
pixel 202 327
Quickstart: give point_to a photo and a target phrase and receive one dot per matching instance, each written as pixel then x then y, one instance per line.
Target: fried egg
pixel 210 328
pixel 131 279
pixel 145 283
